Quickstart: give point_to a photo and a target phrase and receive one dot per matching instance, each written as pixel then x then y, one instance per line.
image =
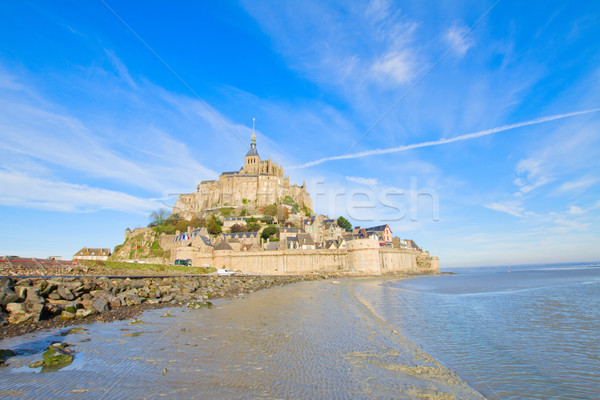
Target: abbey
pixel 258 183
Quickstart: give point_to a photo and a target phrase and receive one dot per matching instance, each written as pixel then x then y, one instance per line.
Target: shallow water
pixel 512 333
pixel 308 340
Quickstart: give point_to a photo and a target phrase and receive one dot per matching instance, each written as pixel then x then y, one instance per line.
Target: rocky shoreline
pixel 31 304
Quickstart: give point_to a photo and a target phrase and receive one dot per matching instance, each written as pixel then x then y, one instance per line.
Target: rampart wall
pixel 360 258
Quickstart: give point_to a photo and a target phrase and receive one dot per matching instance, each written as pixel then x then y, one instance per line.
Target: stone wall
pixel 361 257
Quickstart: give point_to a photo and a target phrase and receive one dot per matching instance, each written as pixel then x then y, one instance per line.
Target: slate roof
pixel 223 246
pixel 379 228
pixel 273 246
pixel 206 240
pixel 304 239
pixel 240 235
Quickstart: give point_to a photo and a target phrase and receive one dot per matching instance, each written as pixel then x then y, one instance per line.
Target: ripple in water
pixel 531 333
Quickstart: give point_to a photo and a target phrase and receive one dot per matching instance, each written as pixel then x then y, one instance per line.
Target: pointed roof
pixel 223 246
pixel 252 151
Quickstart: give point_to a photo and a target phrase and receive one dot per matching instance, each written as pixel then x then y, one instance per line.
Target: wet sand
pixel 301 341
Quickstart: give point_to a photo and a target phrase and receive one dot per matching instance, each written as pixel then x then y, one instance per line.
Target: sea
pixel 524 332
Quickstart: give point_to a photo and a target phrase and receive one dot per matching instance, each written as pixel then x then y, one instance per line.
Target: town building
pixel 92 254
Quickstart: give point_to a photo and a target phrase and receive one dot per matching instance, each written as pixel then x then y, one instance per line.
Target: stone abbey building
pixel 258 183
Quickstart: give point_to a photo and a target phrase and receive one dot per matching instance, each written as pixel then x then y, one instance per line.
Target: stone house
pixel 92 254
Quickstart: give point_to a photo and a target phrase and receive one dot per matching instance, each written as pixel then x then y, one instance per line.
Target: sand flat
pixel 301 341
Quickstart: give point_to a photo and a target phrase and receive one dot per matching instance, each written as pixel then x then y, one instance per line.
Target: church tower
pixel 252 159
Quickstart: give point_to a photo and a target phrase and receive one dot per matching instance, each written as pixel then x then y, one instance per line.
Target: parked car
pixel 225 272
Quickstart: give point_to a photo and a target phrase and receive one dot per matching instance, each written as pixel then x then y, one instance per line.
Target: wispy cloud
pixel 513 208
pixel 22 190
pixel 37 130
pixel 577 185
pixel 456 37
pixel 362 181
pixel 439 142
pixel 535 175
pixel 397 67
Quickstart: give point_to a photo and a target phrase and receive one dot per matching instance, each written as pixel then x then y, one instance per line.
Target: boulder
pixel 82 313
pixel 7 295
pixel 54 296
pixel 113 300
pixel 57 354
pixel 133 299
pixel 21 291
pixel 100 305
pixel 33 296
pixel 6 282
pixel 88 304
pixel 51 286
pixel 65 293
pixel 67 316
pixel 24 313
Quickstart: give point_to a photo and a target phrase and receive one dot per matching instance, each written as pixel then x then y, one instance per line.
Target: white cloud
pixel 378 10
pixel 456 37
pixel 535 175
pixel 578 184
pixel 575 210
pixel 22 190
pixel 120 68
pixel 399 66
pixel 36 131
pixel 513 208
pixel 362 181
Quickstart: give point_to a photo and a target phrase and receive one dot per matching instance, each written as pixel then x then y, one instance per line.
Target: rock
pixel 7 295
pixel 137 283
pixel 36 364
pixel 88 304
pixel 100 305
pixel 6 282
pixel 5 354
pixel 65 293
pixel 54 296
pixel 21 291
pixel 67 316
pixel 82 313
pixel 133 299
pixel 199 304
pixel 166 299
pixel 52 309
pixel 24 313
pixel 113 300
pixel 50 287
pixel 57 354
pixel 33 296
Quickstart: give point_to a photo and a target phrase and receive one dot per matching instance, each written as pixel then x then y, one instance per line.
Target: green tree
pixel 288 200
pixel 253 226
pixel 270 210
pixel 344 224
pixel 213 226
pixel 238 228
pixel 158 217
pixel 268 231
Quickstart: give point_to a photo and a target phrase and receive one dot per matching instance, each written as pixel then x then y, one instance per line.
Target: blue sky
pixel 470 127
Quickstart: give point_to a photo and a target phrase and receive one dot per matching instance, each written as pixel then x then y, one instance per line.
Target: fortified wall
pixel 362 256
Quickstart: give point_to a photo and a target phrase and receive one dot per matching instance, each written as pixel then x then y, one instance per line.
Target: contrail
pixel 460 138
